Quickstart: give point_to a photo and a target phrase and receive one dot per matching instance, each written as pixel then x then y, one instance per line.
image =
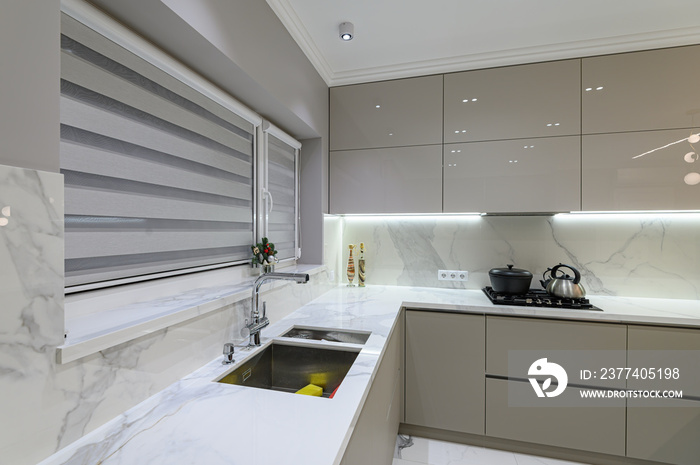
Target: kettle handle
pixel 577 275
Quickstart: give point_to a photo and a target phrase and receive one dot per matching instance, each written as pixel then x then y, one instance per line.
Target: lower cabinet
pixel 374 437
pixel 553 421
pixel 667 431
pixel 664 434
pixel 445 371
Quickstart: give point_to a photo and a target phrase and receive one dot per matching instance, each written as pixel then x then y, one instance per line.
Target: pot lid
pixel 510 272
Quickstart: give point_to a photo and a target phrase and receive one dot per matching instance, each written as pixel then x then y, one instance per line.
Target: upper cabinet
pixel 538 100
pixel 397 113
pixel 522 175
pixel 641 91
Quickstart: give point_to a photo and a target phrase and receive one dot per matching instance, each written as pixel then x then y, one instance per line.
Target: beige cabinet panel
pixel 665 348
pixel 668 435
pixel 445 371
pixel 589 346
pixel 656 89
pixel 374 436
pixel 612 179
pixel 393 180
pixel 537 100
pixel 524 175
pixel 598 429
pixel 386 114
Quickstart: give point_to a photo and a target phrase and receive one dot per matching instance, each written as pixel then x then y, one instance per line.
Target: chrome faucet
pixel 256 321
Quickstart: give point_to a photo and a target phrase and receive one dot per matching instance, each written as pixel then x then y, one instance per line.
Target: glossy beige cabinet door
pixel 445 371
pixel 612 179
pixel 374 436
pixel 524 175
pixel 393 180
pixel 537 100
pixel 599 429
pixel 667 435
pixel 656 89
pixel 386 114
pixel 588 345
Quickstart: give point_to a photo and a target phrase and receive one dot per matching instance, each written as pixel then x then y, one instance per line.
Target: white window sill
pixel 90 332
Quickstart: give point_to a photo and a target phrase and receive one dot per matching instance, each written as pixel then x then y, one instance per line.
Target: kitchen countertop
pixel 199 421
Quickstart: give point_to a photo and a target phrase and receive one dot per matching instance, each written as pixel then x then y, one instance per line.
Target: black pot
pixel 510 280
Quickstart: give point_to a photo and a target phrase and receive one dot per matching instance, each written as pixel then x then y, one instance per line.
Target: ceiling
pixel 403 38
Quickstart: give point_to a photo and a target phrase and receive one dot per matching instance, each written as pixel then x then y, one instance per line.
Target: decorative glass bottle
pixel 351 267
pixel 361 266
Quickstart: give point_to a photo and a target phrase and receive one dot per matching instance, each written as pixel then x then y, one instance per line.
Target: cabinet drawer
pixel 597 345
pixel 668 435
pixel 394 180
pixel 656 347
pixel 386 114
pixel 445 371
pixel 598 429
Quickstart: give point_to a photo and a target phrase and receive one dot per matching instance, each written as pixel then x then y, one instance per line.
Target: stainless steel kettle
pixel 563 285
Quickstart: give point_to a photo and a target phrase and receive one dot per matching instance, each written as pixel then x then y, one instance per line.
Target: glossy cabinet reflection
pixel 656 89
pixel 612 179
pixel 386 114
pixel 537 100
pixel 392 180
pixel 525 175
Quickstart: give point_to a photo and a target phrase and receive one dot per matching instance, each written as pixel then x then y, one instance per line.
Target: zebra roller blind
pixel 281 228
pixel 158 177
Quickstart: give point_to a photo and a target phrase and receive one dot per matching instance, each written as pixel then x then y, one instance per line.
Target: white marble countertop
pixel 197 420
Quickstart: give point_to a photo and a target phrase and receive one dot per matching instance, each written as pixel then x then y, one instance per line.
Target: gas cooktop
pixel 538 298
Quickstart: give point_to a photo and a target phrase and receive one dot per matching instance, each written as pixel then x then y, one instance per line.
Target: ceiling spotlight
pixel 347 31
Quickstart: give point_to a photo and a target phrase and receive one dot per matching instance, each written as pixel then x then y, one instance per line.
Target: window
pixel 158 174
pixel 279 168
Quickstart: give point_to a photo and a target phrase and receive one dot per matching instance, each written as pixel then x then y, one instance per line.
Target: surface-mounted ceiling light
pixel 347 31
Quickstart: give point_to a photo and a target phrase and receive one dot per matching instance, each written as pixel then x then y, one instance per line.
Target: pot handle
pixel 577 275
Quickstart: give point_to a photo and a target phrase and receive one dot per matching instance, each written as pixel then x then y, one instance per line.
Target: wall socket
pixel 453 275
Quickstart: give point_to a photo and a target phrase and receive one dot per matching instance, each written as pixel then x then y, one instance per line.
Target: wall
pixel 30 76
pixel 648 255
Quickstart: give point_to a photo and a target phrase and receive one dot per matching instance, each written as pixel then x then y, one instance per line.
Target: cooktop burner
pixel 538 298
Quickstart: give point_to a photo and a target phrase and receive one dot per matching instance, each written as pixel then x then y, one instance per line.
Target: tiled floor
pixel 432 452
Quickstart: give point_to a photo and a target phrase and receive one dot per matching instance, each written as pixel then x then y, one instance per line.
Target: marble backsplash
pixel 643 255
pixel 45 406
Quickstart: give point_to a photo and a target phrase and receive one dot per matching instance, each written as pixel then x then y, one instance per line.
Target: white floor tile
pixel 433 452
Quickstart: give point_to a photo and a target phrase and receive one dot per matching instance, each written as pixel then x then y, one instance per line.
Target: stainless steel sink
pixel 288 368
pixel 326 334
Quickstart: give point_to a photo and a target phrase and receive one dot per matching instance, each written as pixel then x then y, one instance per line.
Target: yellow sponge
pixel 310 390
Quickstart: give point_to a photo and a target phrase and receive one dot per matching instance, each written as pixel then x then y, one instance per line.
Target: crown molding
pixel 565 50
pixel 286 13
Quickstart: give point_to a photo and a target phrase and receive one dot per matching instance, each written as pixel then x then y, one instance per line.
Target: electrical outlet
pixel 453 275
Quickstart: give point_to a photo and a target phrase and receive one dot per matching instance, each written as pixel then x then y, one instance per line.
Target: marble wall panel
pixel 644 255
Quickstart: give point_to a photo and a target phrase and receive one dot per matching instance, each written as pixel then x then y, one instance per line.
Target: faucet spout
pixel 256 322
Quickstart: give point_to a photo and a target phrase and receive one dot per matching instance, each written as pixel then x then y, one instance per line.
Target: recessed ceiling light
pixel 599 88
pixel 465 100
pixel 347 31
pixel 377 106
pixel 588 89
pixel 473 100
